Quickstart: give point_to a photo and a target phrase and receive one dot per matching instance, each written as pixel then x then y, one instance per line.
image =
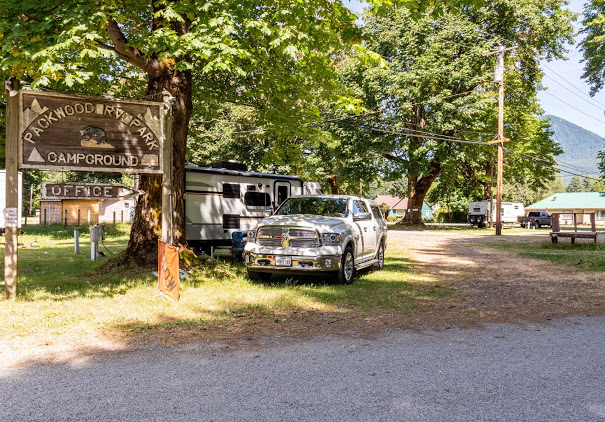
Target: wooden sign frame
pixel 75 190
pixel 74 132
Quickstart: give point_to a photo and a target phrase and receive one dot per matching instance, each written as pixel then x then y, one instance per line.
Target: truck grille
pixel 288 237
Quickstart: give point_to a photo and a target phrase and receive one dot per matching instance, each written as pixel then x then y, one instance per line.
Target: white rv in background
pixel 479 213
pixel 226 198
pixel 3 198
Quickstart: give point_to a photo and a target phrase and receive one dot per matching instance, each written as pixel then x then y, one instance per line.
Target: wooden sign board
pixel 51 190
pixel 71 132
pixel 168 271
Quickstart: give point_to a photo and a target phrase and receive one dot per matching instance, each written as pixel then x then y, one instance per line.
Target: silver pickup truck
pixel 318 233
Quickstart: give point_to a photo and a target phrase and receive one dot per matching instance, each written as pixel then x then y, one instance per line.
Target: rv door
pixel 282 191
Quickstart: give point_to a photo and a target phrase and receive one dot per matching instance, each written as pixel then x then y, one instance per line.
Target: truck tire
pixel 346 273
pixel 537 224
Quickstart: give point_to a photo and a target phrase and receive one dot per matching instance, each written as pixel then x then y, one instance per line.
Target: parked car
pixel 318 234
pixel 536 219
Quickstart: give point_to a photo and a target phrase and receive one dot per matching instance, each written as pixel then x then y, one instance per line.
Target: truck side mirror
pixel 268 213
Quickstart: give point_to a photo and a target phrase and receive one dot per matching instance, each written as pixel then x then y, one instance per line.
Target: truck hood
pixel 322 223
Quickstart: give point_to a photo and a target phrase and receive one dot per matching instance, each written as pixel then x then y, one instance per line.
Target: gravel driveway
pixel 503 372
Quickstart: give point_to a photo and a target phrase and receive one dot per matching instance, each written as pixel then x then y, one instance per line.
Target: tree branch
pixel 131 55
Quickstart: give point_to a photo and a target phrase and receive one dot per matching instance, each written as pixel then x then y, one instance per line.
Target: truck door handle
pixel 365 229
pixel 374 228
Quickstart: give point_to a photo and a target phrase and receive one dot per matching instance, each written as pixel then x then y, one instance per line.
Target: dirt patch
pixel 489 286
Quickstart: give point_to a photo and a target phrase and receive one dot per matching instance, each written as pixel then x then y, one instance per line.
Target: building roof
pixel 570 201
pixel 394 202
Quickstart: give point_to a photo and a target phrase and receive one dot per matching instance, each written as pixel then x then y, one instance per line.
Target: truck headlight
pixel 331 239
pixel 251 235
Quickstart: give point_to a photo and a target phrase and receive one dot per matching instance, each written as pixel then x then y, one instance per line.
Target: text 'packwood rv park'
pixel 81 133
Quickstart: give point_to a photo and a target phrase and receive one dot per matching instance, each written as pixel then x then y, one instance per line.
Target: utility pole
pixel 499 77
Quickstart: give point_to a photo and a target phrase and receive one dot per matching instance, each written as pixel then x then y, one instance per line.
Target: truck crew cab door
pixel 364 220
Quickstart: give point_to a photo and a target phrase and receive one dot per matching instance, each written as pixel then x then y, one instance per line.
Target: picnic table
pixel 575 234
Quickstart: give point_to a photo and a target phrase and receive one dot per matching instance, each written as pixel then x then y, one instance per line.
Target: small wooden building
pixel 569 203
pixel 86 211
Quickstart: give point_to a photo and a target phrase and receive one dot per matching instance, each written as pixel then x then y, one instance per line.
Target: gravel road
pixel 501 372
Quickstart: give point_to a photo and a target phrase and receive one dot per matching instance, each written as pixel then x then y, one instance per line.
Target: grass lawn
pixel 584 255
pixel 61 292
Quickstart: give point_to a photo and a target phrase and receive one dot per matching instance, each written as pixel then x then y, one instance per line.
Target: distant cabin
pixel 568 203
pixel 398 207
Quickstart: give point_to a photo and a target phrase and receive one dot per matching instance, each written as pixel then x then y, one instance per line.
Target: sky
pixel 567 95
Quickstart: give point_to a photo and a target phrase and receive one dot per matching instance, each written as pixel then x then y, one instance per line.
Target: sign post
pixel 12 188
pixel 53 131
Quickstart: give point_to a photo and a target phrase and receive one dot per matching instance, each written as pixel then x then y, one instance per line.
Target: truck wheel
pixel 346 273
pixel 258 276
pixel 380 257
pixel 537 224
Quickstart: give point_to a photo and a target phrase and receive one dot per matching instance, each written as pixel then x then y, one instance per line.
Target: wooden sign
pixel 51 190
pixel 71 132
pixel 168 271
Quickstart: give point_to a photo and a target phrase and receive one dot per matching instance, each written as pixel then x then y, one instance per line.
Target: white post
pixel 12 187
pixel 77 241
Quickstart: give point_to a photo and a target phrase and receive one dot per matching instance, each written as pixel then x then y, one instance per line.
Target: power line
pixel 573 86
pixel 437 138
pixel 594 104
pixel 404 105
pixel 575 108
pixel 545 163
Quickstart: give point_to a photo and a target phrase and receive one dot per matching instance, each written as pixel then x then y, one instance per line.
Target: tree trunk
pixel 332 182
pixel 418 188
pixel 146 226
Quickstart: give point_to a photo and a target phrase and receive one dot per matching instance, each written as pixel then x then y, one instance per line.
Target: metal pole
pixel 491 192
pixel 12 187
pixel 77 241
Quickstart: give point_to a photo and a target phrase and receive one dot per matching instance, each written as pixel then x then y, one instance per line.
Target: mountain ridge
pixel 580 147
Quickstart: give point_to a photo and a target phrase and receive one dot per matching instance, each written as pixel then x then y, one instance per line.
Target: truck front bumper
pixel 267 263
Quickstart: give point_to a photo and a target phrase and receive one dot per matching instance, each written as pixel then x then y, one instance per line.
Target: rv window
pixel 476 209
pixel 257 199
pixel 250 187
pixel 231 221
pixel 230 190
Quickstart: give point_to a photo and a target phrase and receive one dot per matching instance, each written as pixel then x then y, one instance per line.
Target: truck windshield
pixel 317 206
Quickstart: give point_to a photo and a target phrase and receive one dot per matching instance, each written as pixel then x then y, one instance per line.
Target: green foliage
pixel 413 108
pixel 525 193
pixel 594 53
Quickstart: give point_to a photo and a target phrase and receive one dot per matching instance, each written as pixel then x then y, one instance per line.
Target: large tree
pixel 274 55
pixel 433 87
pixel 593 48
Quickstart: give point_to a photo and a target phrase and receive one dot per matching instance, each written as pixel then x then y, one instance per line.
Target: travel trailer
pixel 479 213
pixel 227 198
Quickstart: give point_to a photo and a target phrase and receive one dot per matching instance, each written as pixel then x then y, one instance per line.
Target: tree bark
pixel 143 244
pixel 333 183
pixel 418 187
